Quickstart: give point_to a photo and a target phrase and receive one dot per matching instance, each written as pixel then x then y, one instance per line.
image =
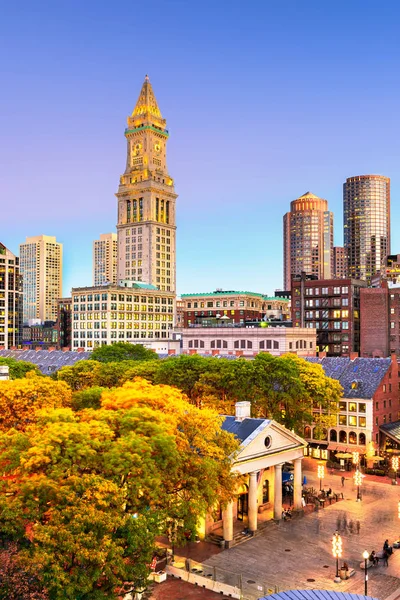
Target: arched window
pixel 342 437
pixel 352 437
pixel 307 431
pixel 261 346
pixel 333 435
pixel 324 434
pixel 276 345
pixel 361 439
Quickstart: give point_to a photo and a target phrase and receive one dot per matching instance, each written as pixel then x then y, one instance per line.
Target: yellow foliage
pixel 21 399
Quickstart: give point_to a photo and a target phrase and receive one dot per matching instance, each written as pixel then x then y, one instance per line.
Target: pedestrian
pixel 344 522
pixel 342 480
pixel 338 523
pixel 351 526
pixel 358 526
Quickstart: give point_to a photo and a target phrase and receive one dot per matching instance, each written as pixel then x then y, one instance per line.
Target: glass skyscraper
pixel 308 239
pixel 366 223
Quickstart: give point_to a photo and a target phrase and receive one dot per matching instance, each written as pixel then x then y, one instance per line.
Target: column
pixel 253 504
pixel 298 484
pixel 227 524
pixel 278 492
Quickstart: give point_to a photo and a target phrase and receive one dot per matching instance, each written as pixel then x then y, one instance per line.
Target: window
pixel 345 290
pixel 265 491
pixel 336 290
pixel 324 291
pixel 342 420
pixel 353 421
pixel 352 405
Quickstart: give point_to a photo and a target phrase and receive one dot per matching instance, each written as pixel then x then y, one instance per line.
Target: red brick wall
pixel 374 322
pixel 386 404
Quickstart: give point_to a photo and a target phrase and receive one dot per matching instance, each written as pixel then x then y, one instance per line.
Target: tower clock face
pixel 136 148
pixel 157 147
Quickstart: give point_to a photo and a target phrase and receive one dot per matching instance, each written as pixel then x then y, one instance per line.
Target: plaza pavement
pixel 297 554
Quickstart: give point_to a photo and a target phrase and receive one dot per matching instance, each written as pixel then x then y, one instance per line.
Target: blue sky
pixel 264 100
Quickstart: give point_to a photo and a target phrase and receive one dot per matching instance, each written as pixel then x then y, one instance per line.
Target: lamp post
pixel 337 552
pixel 395 466
pixel 365 557
pixel 321 473
pixel 358 482
pixel 356 458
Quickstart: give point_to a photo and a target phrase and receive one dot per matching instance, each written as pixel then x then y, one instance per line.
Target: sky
pixel 264 100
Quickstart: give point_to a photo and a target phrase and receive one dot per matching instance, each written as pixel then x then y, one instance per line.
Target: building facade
pixel 332 307
pixel 366 224
pixel 10 300
pixel 41 268
pixel 225 340
pixel 105 259
pixel 40 335
pixel 370 399
pixel 307 239
pixel 130 312
pixel 232 307
pixel 146 199
pixel 380 320
pixel 340 263
pixel 64 323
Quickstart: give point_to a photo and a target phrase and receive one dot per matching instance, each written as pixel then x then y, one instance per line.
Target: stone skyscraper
pixel 105 251
pixel 366 224
pixel 41 268
pixel 146 199
pixel 10 300
pixel 308 239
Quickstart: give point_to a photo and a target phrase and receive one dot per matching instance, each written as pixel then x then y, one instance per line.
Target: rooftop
pixel 223 293
pixel 359 378
pixel 242 429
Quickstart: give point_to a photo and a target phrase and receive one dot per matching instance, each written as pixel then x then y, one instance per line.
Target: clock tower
pixel 146 199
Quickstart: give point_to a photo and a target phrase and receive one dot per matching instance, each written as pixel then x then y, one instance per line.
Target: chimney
pixel 4 370
pixel 242 410
pixel 353 355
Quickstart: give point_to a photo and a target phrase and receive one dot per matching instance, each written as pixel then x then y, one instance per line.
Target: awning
pixel 346 448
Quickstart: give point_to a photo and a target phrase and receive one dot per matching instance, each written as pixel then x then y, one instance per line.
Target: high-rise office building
pixel 41 269
pixel 146 199
pixel 105 259
pixel 340 262
pixel 10 300
pixel 308 239
pixel 366 223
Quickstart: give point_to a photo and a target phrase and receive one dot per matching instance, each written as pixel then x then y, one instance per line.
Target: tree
pixel 22 398
pixel 16 582
pixel 90 490
pixel 19 368
pixel 122 351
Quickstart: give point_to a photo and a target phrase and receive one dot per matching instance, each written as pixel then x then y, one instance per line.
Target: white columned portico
pixel 227 524
pixel 253 507
pixel 278 492
pixel 298 484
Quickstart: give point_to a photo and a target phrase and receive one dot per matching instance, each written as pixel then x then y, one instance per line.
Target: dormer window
pixel 355 385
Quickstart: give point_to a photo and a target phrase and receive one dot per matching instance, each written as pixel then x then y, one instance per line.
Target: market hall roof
pixel 316 595
pixel 359 378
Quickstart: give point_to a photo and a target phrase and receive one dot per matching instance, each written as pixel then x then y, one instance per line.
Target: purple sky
pixel 264 100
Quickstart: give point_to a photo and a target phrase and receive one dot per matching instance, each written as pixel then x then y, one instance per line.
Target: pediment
pixel 267 440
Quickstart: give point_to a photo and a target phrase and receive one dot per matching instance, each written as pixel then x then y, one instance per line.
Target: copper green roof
pixel 276 298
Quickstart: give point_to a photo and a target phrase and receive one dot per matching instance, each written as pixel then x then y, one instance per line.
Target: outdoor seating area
pixel 320 498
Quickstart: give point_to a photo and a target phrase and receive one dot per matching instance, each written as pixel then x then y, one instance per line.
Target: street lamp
pixel 365 557
pixel 395 466
pixel 337 552
pixel 356 458
pixel 321 473
pixel 358 482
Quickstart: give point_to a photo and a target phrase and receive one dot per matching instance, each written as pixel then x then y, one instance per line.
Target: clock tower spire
pixel 146 199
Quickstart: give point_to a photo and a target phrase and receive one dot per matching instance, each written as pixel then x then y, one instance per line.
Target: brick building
pixel 231 307
pixel 332 307
pixel 380 321
pixel 64 323
pixel 370 400
pixel 340 262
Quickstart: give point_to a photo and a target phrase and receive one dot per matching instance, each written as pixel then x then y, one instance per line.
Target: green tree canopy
pixel 122 351
pixel 19 368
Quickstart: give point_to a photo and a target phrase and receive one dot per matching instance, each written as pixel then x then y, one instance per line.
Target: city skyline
pixel 251 128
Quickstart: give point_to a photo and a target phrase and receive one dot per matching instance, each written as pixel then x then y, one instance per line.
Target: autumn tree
pixel 20 399
pixel 122 351
pixel 90 490
pixel 19 368
pixel 16 582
